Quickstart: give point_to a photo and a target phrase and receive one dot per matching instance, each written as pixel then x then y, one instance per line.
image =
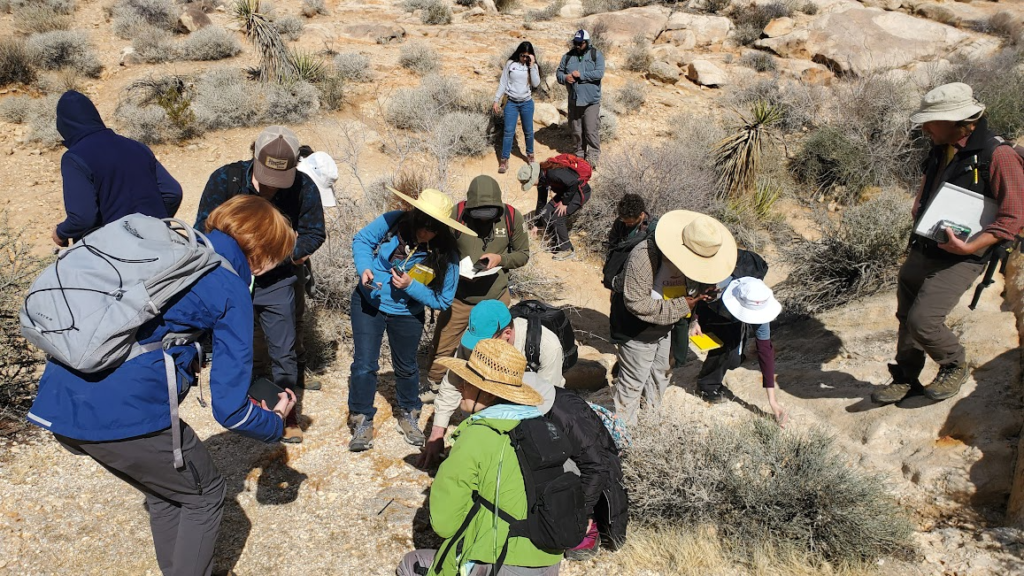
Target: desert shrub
pixel 436 12
pixel 462 133
pixel 18 362
pixel 308 66
pixel 289 27
pixel 41 17
pixel 506 6
pixel 549 12
pixel 290 103
pixel 225 99
pixel 631 97
pixel 419 57
pixel 858 256
pixel 147 124
pixel 275 65
pixel 64 49
pixel 332 91
pixel 829 158
pixel 998 82
pixel 759 61
pixel 353 67
pixel 133 18
pixel 414 5
pixel 750 21
pixel 738 158
pixel 311 8
pixel 638 55
pixel 1007 26
pixel 417 108
pixel 210 43
pixel 712 6
pixel 15 64
pixel 156 110
pixel 809 8
pixel 600 6
pixel 762 488
pixel 155 46
pixel 532 281
pixel 598 36
pixel 795 101
pixel 40 114
pixel 609 125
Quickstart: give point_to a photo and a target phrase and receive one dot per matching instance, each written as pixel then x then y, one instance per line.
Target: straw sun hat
pixel 701 247
pixel 437 205
pixel 496 367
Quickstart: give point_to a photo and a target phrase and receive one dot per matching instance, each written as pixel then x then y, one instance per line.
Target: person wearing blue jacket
pixel 580 71
pixel 121 417
pixel 406 260
pixel 106 176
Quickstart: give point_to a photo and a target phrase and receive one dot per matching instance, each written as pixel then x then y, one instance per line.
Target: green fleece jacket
pixel 481 451
pixel 492 238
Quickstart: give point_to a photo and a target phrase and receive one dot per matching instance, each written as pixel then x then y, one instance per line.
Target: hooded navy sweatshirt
pixel 107 176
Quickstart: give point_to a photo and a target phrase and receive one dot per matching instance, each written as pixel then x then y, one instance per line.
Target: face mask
pixel 484 214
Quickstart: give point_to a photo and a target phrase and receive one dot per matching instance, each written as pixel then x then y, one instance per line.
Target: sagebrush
pixel 64 49
pixel 40 114
pixel 762 488
pixel 998 82
pixel 15 64
pixel 419 57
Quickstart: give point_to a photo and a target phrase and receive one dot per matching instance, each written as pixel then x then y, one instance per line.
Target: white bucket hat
pixel 951 102
pixel 701 247
pixel 320 167
pixel 751 301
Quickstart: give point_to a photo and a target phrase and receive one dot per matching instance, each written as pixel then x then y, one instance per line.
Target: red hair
pixel 261 230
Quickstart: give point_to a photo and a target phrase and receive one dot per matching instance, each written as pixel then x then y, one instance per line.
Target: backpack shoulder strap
pixel 236 175
pixel 593 55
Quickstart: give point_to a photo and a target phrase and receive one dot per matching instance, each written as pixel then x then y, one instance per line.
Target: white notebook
pixel 957 205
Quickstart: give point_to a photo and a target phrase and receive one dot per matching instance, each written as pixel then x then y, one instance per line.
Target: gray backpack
pixel 84 310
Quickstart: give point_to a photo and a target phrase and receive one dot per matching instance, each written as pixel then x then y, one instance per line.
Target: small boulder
pixel 664 72
pixel 572 9
pixel 671 54
pixel 546 114
pixel 706 74
pixel 193 18
pixel 779 27
pixel 706 30
pixel 129 57
pixel 489 6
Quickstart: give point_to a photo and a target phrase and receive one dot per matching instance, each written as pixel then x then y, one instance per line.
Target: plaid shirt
pixel 639 281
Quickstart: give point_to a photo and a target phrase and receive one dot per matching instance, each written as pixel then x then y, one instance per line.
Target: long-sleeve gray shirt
pixel 586 89
pixel 516 80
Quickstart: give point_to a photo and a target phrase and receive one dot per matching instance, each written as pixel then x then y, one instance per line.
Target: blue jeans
pixel 368 327
pixel 514 111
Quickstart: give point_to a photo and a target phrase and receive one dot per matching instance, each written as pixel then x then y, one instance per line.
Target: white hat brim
pixel 669 238
pixel 431 210
pixel 959 114
pixel 770 312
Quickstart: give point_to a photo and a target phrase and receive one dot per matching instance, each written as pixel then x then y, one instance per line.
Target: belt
pixel 511 99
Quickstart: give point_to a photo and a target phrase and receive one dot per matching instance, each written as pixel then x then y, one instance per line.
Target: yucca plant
pixel 762 201
pixel 738 157
pixel 307 66
pixel 275 63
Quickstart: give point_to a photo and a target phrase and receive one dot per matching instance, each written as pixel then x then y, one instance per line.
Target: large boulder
pixel 545 114
pixel 706 74
pixel 624 25
pixel 664 72
pixel 884 4
pixel 380 33
pixel 683 28
pixel 193 18
pixel 779 27
pixel 572 9
pixel 838 40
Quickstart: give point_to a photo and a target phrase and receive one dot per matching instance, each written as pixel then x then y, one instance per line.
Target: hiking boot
pixel 717 396
pixel 587 549
pixel 429 392
pixel 564 255
pixel 530 158
pixel 409 426
pixel 362 433
pixel 292 435
pixel 899 388
pixel 307 383
pixel 502 166
pixel 948 381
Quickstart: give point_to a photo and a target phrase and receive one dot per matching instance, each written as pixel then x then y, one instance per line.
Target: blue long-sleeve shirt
pixel 387 298
pixel 131 400
pixel 107 176
pixel 586 90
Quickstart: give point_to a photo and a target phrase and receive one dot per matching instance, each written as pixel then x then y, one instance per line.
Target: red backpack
pixel 578 165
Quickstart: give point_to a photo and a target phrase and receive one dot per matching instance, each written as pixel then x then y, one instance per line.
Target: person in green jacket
pixel 501 242
pixel 483 461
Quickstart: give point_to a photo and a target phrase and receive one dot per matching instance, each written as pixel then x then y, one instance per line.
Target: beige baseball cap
pixel 275 157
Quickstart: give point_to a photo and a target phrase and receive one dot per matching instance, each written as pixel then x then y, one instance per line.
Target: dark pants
pixel 585 122
pixel 185 506
pixel 721 360
pixel 547 219
pixel 275 310
pixel 927 290
pixel 368 327
pixel 419 561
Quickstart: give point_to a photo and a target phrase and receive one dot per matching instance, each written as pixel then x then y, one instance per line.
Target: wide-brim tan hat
pixel 701 247
pixel 496 367
pixel 528 175
pixel 437 205
pixel 950 102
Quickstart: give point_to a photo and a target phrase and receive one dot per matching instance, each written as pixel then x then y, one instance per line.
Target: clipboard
pixel 706 342
pixel 957 205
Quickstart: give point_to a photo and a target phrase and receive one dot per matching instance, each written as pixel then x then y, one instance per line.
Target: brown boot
pixel 292 435
pixel 948 381
pixel 503 166
pixel 899 388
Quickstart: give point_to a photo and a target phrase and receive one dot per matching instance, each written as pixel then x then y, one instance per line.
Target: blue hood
pixel 77 117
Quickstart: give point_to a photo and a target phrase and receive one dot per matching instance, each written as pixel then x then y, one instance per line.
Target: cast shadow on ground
pixel 989 420
pixel 555 137
pixel 236 457
pixel 591 328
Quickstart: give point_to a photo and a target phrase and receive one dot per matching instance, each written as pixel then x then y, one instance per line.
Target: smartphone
pixel 480 265
pixel 263 390
pixel 960 231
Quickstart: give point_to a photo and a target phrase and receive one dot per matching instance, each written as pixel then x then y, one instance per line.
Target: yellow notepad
pixel 706 342
pixel 421 274
pixel 672 292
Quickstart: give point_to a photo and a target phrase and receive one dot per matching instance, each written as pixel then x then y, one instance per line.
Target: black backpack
pixel 555 518
pixel 539 314
pixel 618 255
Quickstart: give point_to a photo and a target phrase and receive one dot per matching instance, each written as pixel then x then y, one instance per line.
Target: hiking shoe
pixel 948 381
pixel 362 433
pixel 409 426
pixel 429 392
pixel 292 435
pixel 564 255
pixel 714 396
pixel 587 549
pixel 502 166
pixel 900 387
pixel 308 383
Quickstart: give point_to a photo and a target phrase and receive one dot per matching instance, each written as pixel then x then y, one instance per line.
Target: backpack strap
pixel 236 175
pixel 392 230
pixel 439 559
pixel 533 336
